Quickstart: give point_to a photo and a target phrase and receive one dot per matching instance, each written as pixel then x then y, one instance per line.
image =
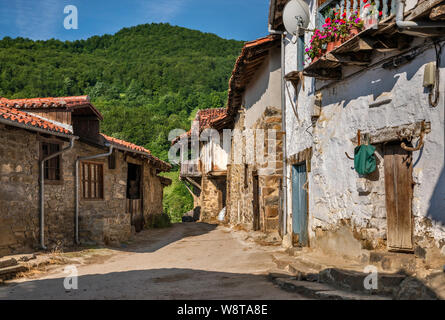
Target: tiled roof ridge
pixel 132 146
pixel 16 116
pixel 242 60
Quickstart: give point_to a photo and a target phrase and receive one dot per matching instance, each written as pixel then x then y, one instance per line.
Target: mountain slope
pixel 139 78
pixel 146 80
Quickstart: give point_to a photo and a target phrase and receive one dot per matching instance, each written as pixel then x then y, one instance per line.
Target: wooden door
pixel 299 205
pixel 256 203
pixel 399 194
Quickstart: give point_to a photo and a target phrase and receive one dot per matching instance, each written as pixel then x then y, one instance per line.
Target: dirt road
pixel 187 261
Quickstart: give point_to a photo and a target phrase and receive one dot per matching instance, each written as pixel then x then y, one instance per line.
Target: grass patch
pixel 177 199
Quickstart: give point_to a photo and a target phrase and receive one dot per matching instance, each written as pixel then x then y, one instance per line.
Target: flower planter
pixel 334 44
pixel 354 31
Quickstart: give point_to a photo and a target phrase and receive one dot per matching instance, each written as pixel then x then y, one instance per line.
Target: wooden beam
pixel 438 13
pixel 347 60
pixel 423 8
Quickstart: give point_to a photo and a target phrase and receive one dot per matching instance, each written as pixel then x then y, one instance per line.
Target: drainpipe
pixel 283 123
pixel 42 190
pixel 402 24
pixel 76 193
pixel 283 128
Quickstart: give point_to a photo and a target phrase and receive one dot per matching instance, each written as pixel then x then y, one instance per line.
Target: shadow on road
pixel 151 240
pixel 152 284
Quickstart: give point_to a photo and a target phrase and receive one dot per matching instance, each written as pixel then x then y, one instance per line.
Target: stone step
pixel 387 284
pixel 282 260
pixel 11 271
pixel 7 262
pixel 309 264
pixel 321 290
pixel 394 261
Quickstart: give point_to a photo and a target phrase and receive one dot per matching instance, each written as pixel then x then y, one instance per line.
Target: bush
pixel 177 200
pixel 160 221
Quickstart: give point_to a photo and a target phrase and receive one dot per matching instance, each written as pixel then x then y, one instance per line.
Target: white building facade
pixel 383 102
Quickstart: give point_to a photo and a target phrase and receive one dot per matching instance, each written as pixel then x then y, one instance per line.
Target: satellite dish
pixel 296 15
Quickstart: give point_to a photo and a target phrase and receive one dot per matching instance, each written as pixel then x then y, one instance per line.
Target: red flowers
pixel 328 20
pixel 344 15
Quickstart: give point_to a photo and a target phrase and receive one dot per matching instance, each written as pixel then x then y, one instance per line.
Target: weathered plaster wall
pixel 333 183
pixel 265 88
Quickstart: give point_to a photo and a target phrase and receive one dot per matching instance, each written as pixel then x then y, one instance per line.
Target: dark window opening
pixel 112 161
pixel 92 181
pixel 51 166
pixel 134 181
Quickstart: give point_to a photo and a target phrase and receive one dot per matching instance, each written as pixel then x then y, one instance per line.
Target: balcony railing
pixel 190 170
pixel 379 33
pixel 376 11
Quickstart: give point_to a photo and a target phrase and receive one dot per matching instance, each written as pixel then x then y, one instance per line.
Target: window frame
pixel 48 141
pixel 101 183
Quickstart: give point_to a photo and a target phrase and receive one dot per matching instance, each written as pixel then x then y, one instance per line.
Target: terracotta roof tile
pixel 131 146
pixel 250 60
pixel 50 102
pixel 205 118
pixel 29 120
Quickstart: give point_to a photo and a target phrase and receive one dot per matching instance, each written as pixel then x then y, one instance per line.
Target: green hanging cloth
pixel 364 159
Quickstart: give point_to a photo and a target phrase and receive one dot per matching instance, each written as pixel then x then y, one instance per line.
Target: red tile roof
pixel 16 116
pixel 249 61
pixel 131 146
pixel 50 102
pixel 205 118
pixel 9 111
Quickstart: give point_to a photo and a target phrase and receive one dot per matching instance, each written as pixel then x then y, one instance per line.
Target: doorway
pixel 134 196
pixel 299 205
pixel 399 194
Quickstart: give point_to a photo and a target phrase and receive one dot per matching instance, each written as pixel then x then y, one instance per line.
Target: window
pixel 92 181
pixel 52 170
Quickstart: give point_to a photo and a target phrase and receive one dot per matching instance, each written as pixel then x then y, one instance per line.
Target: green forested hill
pixel 146 80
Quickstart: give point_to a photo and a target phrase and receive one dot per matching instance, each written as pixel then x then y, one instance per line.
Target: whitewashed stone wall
pixel 333 189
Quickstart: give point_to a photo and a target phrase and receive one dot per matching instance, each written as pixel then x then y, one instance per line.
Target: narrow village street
pixel 186 261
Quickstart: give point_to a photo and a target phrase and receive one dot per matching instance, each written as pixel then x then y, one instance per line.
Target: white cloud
pixel 38 19
pixel 163 10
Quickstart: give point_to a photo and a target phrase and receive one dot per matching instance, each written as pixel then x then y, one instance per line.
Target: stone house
pixel 118 186
pixel 204 173
pixel 369 90
pixel 254 174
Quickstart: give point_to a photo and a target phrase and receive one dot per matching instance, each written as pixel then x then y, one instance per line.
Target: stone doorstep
pixel 7 262
pixel 393 261
pixel 388 284
pixel 10 272
pixel 321 290
pixel 306 270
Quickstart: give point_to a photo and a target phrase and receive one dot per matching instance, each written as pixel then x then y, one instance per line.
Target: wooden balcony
pixel 383 36
pixel 358 51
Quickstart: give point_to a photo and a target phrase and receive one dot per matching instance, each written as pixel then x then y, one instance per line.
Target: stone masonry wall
pixel 240 187
pixel 211 198
pixel 18 190
pixel 100 221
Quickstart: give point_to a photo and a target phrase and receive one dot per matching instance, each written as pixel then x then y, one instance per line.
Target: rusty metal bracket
pixel 348 156
pixel 420 143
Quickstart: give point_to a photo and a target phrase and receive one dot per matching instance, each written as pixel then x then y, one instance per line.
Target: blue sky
pixel 43 19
